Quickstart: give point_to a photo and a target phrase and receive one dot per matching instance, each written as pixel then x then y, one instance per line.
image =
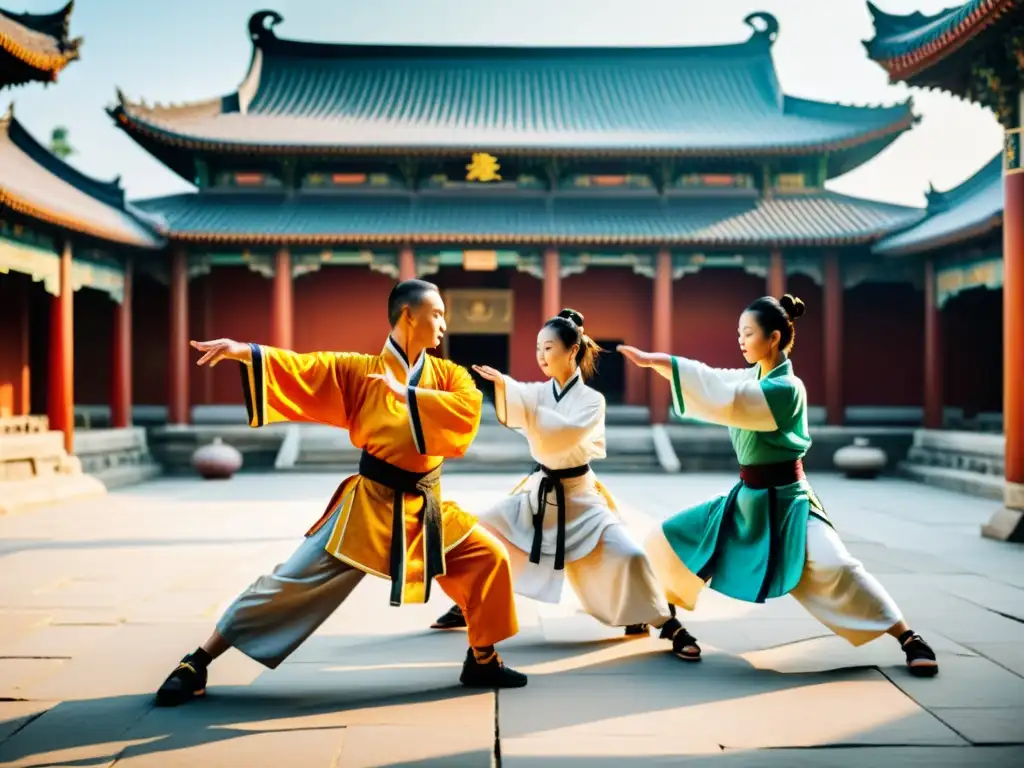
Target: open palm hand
pixel 486 372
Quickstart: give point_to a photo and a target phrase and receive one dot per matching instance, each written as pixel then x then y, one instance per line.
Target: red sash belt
pixel 762 476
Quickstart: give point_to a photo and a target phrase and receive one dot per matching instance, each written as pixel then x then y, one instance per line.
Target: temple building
pixel 35 47
pixel 960 246
pixel 67 246
pixel 656 190
pixel 971 240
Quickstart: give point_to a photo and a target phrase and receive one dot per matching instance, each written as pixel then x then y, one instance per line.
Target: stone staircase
pixel 969 462
pixel 116 457
pixel 631 448
pixel 36 469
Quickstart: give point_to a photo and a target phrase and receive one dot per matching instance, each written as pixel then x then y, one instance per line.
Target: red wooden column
pixel 776 274
pixel 282 315
pixel 177 406
pixel 932 350
pixel 61 406
pixel 834 404
pixel 406 263
pixel 121 375
pixel 23 401
pixel 661 333
pixel 208 325
pixel 1008 524
pixel 552 301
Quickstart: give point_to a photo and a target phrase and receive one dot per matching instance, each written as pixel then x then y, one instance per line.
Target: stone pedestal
pixel 1007 524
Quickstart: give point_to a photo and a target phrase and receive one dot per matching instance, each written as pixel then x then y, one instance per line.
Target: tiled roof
pixel 969 210
pixel 709 100
pixel 822 218
pixel 906 45
pixel 37 184
pixel 35 46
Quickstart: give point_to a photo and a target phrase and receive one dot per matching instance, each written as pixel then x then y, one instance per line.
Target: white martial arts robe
pixel 606 567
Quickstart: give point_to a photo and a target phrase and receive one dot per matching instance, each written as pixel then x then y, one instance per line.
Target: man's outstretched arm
pixel 280 385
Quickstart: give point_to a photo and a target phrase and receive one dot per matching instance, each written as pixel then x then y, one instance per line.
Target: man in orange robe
pixel 407 411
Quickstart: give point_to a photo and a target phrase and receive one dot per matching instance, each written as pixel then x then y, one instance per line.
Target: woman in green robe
pixel 769 536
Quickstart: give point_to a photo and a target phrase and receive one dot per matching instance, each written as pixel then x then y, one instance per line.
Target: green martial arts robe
pixel 748 554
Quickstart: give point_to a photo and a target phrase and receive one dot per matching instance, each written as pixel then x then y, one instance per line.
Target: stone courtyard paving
pixel 99 599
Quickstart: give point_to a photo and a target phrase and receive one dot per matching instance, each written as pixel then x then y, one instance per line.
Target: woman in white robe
pixel 560 521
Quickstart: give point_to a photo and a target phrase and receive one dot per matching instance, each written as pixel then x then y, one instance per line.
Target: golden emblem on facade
pixel 483 167
pixel 479 311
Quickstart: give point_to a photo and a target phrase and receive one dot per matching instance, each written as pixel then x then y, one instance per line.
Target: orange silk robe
pixel 439 421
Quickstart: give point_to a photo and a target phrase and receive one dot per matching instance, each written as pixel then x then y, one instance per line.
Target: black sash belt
pixel 552 480
pixel 760 477
pixel 402 481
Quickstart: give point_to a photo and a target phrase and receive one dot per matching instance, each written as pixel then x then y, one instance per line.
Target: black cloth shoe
pixel 186 682
pixel 492 674
pixel 684 645
pixel 638 630
pixel 921 659
pixel 453 619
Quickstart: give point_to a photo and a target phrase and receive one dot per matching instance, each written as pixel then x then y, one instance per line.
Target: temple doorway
pixel 610 380
pixel 480 349
pixel 479 326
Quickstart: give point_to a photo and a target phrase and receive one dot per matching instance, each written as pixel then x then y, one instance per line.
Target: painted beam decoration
pixel 44 266
pixel 953 279
pixel 1012 160
pixel 974 50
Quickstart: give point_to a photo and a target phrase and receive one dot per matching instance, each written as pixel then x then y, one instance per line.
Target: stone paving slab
pixel 1009 655
pixel 611 753
pixel 99 599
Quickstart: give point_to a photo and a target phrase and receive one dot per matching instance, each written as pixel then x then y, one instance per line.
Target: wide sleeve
pixel 555 432
pixel 786 399
pixel 720 397
pixel 444 421
pixel 322 387
pixel 521 400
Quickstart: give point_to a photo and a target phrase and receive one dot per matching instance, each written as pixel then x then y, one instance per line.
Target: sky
pixel 182 50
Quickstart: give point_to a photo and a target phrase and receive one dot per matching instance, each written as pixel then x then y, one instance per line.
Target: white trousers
pixel 834 588
pixel 614 582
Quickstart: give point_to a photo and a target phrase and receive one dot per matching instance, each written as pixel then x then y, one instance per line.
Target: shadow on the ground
pixel 16 546
pixel 393 673
pixel 823 757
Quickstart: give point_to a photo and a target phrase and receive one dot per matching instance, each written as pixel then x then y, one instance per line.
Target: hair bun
pixel 573 315
pixel 793 305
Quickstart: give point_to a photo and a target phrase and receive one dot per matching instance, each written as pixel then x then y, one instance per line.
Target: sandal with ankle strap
pixel 921 659
pixel 684 645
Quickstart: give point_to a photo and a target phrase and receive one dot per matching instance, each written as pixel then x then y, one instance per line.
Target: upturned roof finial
pixel 259 28
pixel 768 26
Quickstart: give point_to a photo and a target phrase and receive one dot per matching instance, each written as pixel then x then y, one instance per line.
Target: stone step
pixel 623 465
pixel 128 474
pixel 967 462
pixel 959 441
pixel 972 483
pixel 18 495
